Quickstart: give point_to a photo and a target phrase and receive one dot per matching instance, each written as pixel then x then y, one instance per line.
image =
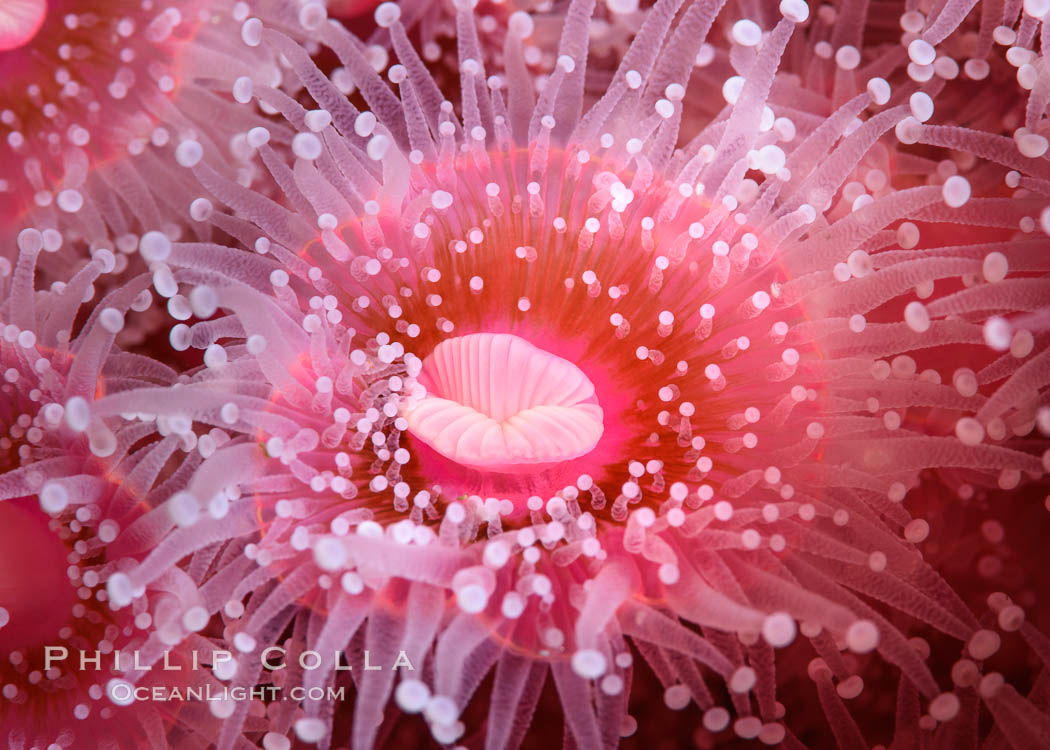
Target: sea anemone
pixel 539 388
pixel 75 492
pixel 94 100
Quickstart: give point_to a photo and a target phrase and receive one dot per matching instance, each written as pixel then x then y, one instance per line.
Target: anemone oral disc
pixel 496 402
pixel 19 21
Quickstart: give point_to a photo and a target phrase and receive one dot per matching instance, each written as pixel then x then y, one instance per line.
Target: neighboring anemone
pixel 74 494
pixel 521 390
pixel 94 98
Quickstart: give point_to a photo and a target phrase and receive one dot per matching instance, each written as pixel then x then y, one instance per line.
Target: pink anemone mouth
pixel 19 22
pixel 495 402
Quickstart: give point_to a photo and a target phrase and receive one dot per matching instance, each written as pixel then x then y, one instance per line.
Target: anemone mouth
pixel 20 20
pixel 496 402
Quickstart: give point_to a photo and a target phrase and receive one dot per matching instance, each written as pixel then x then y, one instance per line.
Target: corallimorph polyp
pixel 76 492
pixel 94 95
pixel 534 389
